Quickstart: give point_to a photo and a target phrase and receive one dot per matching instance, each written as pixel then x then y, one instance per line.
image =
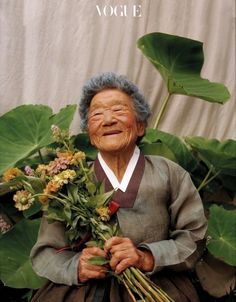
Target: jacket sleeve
pixel 188 225
pixel 59 267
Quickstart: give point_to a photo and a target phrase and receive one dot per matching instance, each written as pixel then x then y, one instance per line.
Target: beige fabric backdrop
pixel 50 47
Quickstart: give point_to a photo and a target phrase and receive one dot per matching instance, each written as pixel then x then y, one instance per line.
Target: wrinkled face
pixel 112 122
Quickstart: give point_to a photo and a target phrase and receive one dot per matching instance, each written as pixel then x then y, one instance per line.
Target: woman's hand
pixel 125 254
pixel 88 271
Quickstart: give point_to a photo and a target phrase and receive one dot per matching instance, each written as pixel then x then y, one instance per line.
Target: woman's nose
pixel 108 117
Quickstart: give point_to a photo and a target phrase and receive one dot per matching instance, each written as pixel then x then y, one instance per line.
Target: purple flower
pixel 29 171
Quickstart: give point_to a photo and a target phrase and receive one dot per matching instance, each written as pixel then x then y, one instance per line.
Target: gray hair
pixel 111 80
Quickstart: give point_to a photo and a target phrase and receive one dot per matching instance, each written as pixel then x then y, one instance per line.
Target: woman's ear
pixel 141 126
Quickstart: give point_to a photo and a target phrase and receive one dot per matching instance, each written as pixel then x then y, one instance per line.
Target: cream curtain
pixel 49 48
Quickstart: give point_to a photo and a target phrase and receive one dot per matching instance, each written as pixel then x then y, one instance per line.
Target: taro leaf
pixel 158 148
pixel 221 231
pixel 180 152
pixel 179 60
pixel 26 129
pixel 15 266
pixel 217 155
pixel 82 142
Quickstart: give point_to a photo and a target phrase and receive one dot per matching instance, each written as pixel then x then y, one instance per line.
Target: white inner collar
pixel 128 172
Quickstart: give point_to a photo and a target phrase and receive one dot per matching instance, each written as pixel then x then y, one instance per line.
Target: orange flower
pixel 11 174
pixel 43 199
pixel 52 187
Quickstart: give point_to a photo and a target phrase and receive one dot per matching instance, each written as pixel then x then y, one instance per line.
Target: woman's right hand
pixel 88 271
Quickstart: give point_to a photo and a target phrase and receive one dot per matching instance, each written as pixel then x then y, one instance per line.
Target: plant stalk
pixel 129 291
pixel 40 156
pixel 207 179
pixel 161 112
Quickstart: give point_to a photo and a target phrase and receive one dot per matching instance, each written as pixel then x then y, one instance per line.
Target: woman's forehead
pixel 110 97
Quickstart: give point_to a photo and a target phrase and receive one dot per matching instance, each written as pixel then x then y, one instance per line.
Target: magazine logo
pixel 119 11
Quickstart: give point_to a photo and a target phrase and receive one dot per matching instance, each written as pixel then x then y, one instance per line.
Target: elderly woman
pixel 161 214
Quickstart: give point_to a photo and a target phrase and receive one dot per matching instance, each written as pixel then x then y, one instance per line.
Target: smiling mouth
pixel 112 132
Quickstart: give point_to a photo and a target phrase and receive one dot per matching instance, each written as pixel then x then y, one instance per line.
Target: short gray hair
pixel 112 80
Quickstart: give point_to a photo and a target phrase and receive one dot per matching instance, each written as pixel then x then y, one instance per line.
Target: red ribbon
pixel 113 207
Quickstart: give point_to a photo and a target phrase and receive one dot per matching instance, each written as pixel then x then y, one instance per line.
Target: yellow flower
pixel 103 213
pixel 64 177
pixel 77 157
pixel 23 200
pixel 11 174
pixel 42 169
pixel 66 155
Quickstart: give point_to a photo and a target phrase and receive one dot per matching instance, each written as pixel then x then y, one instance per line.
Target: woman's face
pixel 112 123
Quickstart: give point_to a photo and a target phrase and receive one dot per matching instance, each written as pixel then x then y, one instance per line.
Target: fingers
pixel 117 243
pixel 119 262
pixel 88 271
pixel 123 253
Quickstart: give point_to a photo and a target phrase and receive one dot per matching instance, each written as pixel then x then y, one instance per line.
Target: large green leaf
pixel 15 246
pixel 221 231
pixel 82 142
pixel 179 60
pixel 26 129
pixel 158 148
pixel 219 154
pixel 180 153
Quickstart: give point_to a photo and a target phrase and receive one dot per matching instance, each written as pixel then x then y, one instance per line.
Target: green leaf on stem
pixel 98 260
pixel 219 157
pixel 100 200
pixel 170 146
pixel 179 60
pixel 26 129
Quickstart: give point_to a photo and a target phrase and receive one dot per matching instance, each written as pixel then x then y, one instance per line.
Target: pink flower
pixel 29 171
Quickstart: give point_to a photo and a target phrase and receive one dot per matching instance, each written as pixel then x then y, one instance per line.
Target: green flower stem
pixel 161 112
pixel 64 196
pixel 144 289
pixel 83 169
pixel 128 289
pixel 96 226
pixel 127 278
pixel 28 186
pixel 160 291
pixel 65 144
pixel 50 196
pixel 157 295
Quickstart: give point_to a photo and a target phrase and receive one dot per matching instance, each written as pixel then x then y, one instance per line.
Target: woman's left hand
pixel 125 254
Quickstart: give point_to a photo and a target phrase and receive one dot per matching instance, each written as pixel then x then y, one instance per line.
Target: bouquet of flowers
pixel 67 193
